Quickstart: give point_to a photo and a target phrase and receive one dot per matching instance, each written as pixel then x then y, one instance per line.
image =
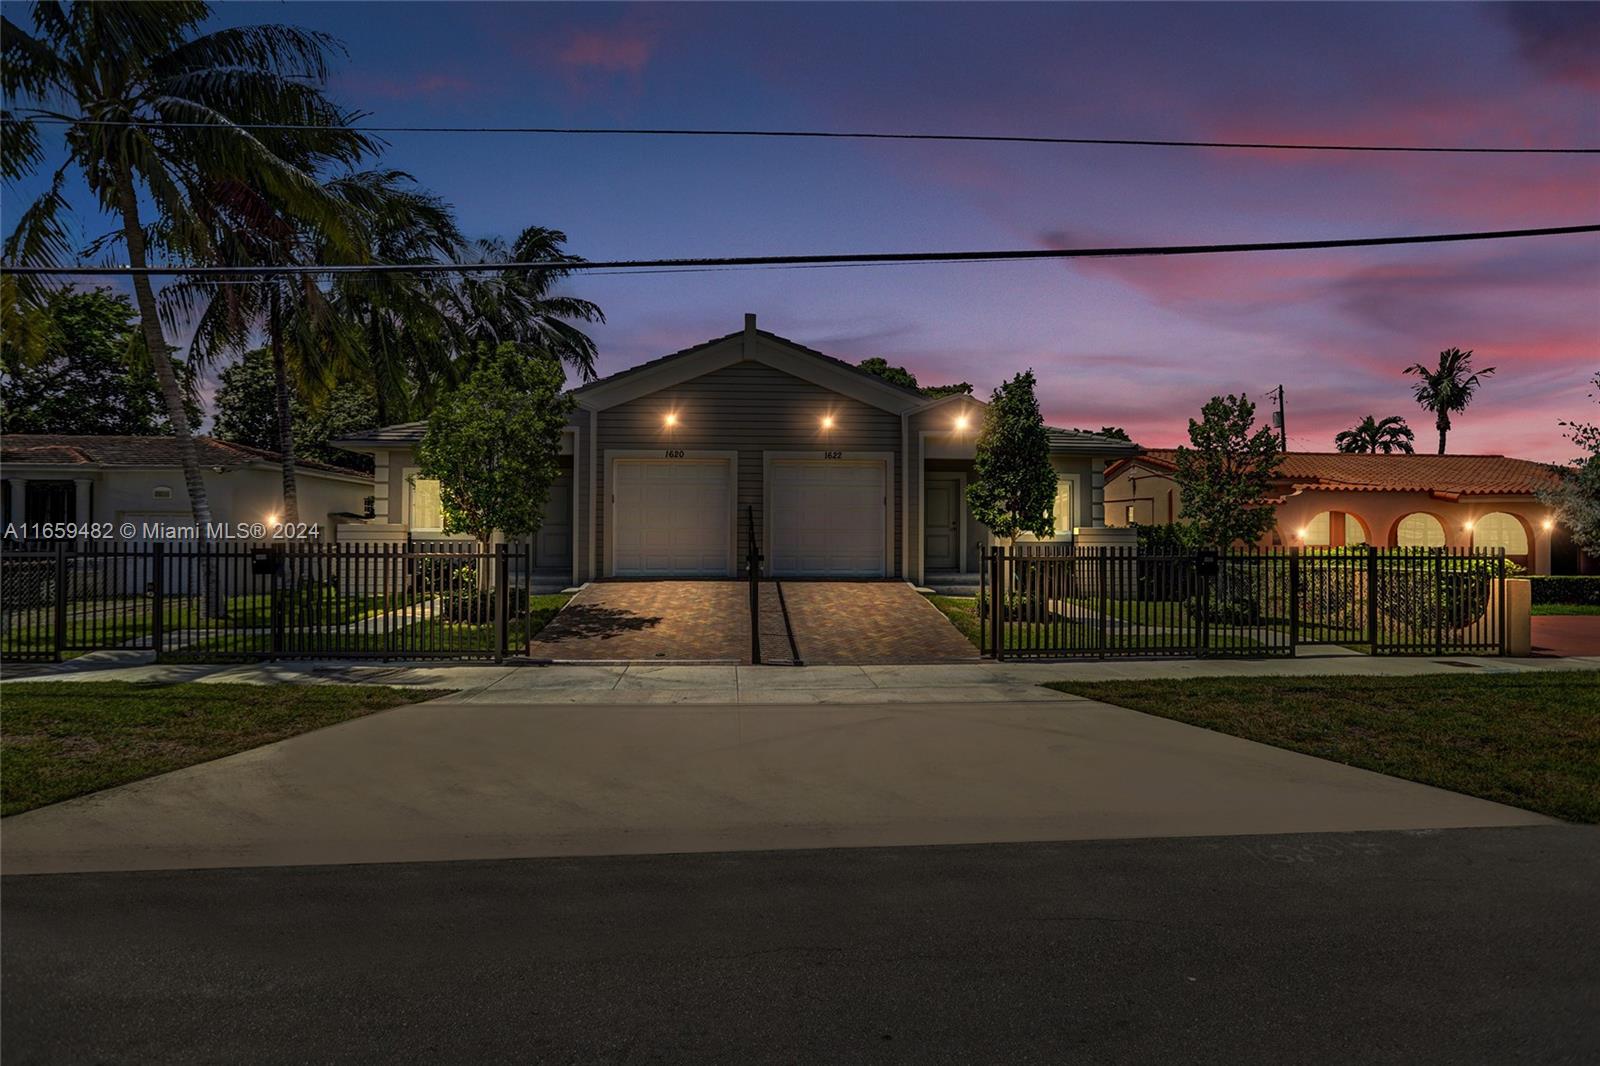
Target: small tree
pixel 493 442
pixel 1225 476
pixel 1015 490
pixel 1576 498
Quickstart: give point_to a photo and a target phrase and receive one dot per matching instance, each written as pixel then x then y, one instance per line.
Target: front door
pixel 553 549
pixel 941 523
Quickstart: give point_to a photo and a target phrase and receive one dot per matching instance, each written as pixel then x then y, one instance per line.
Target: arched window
pixel 1500 530
pixel 1419 530
pixel 1319 531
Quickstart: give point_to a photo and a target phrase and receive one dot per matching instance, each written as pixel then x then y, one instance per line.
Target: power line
pixel 798 261
pixel 856 135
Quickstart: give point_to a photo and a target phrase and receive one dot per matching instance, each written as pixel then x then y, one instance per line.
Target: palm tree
pixel 155 106
pixel 1374 435
pixel 1447 388
pixel 317 335
pixel 518 306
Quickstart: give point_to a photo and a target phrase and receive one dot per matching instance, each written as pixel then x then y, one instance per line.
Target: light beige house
pixel 1334 499
pixel 669 467
pixel 122 479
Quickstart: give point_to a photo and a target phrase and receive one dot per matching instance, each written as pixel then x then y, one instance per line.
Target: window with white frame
pixel 1061 512
pixel 425 513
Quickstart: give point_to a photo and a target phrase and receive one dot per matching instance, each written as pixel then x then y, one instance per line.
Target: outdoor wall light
pixel 1549 525
pixel 272 519
pixel 1466 527
pixel 961 423
pixel 1302 533
pixel 670 420
pixel 827 421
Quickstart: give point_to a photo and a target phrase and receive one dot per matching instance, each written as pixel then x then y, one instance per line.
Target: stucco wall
pixel 1378 512
pixel 247 494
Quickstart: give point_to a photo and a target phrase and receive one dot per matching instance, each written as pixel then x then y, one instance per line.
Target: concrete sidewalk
pixel 440 781
pixel 648 683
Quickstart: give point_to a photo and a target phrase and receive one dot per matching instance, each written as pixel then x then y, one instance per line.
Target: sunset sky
pixel 1132 342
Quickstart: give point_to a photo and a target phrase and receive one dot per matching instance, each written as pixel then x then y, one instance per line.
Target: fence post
pixel 275 604
pixel 502 601
pixel 1372 597
pixel 1501 599
pixel 61 600
pixel 158 622
pixel 1105 599
pixel 1294 600
pixel 997 594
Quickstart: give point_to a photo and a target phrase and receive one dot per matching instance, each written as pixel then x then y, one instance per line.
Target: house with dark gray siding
pixel 668 467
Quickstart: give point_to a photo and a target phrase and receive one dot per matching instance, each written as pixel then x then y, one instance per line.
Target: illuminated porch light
pixel 961 423
pixel 827 421
pixel 272 519
pixel 1466 527
pixel 1549 524
pixel 669 420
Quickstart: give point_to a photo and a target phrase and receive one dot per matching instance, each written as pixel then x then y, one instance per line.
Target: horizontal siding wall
pixel 749 408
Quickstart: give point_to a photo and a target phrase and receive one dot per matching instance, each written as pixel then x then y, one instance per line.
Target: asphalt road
pixel 1450 946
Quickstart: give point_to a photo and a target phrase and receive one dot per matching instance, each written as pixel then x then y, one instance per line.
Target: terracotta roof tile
pixel 70 450
pixel 1466 475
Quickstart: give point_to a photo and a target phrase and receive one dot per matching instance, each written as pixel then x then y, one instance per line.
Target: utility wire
pixel 855 135
pixel 801 261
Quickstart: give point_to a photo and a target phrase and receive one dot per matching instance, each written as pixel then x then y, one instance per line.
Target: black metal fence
pixel 1065 601
pixel 238 601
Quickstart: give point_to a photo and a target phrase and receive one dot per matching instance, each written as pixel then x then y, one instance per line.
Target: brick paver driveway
pixel 659 621
pixel 870 622
pixel 832 622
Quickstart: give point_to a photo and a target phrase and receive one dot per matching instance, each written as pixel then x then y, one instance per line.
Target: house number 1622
pixel 833 455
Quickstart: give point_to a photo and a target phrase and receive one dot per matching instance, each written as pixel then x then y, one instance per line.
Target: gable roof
pixel 1459 475
pixel 749 345
pixel 64 449
pixel 796 346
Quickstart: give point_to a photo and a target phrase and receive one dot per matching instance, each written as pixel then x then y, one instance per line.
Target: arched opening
pixel 1333 529
pixel 1502 530
pixel 1419 530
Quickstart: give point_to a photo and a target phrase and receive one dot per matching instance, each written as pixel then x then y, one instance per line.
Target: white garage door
pixel 828 519
pixel 672 518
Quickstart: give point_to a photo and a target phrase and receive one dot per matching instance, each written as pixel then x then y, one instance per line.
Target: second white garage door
pixel 828 519
pixel 672 518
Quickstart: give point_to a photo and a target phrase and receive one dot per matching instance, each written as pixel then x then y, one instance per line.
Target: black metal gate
pixel 1052 601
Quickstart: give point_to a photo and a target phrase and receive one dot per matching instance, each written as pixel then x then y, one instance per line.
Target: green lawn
pixel 963 614
pixel 425 635
pixel 1565 608
pixel 1529 739
pixel 60 739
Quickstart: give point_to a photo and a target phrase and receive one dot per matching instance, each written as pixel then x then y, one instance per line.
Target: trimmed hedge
pixel 1583 591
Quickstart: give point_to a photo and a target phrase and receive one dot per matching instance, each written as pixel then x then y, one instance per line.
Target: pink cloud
pixel 614 51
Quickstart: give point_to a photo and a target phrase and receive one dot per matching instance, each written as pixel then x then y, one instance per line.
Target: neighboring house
pixel 1333 498
pixel 664 467
pixel 62 478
